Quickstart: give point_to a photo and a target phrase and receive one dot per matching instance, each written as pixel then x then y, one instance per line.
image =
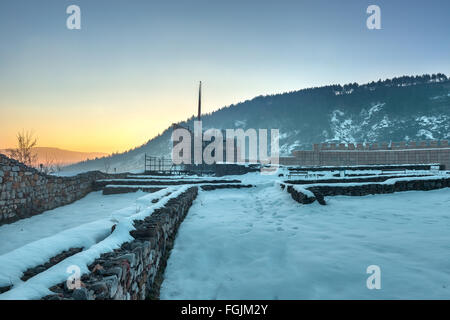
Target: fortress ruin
pixel 395 153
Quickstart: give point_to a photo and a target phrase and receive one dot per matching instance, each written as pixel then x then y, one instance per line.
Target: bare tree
pixel 50 164
pixel 58 166
pixel 107 164
pixel 24 151
pixel 46 165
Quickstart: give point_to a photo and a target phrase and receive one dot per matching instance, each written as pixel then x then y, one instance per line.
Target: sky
pixel 133 67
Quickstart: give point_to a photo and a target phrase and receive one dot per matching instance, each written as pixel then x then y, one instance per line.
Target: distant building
pixel 330 154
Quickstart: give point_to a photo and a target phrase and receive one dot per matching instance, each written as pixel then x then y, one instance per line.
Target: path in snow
pixel 94 206
pixel 260 244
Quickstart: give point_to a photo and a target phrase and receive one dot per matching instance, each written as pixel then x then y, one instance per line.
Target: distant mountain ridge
pixel 407 108
pixel 56 156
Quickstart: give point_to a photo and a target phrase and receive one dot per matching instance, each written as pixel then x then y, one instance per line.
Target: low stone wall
pixel 350 180
pixel 363 189
pixel 125 189
pixel 234 169
pixel 301 197
pixel 113 189
pixel 385 167
pixel 210 187
pixel 98 185
pixel 380 188
pixel 25 191
pixel 31 272
pixel 135 270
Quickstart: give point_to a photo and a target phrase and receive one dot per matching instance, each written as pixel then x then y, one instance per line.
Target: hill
pixel 404 108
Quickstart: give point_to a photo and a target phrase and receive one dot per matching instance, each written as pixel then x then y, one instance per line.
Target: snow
pixel 382 124
pixel 147 186
pixel 425 133
pixel 93 207
pixel 433 126
pixel 344 130
pixel 440 97
pixel 304 190
pixel 329 175
pixel 240 123
pixel 163 178
pixel 134 186
pixel 376 108
pixel 259 243
pixel 94 236
pixel 392 181
pixel 66 173
pixel 255 243
pixel 173 177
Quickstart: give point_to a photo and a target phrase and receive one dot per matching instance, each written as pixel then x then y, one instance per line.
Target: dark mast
pixel 199 102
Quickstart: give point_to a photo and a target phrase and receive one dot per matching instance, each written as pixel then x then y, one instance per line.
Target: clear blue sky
pixel 134 67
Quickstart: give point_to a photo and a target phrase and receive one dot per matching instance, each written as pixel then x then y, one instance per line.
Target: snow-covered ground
pixel 62 232
pixel 94 206
pixel 255 243
pixel 260 244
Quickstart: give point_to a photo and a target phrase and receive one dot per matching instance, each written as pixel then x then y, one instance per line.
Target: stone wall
pixel 234 169
pixel 25 191
pixel 301 197
pixel 330 154
pixel 135 271
pixel 211 187
pixel 380 178
pixel 362 189
pixel 381 188
pixel 125 189
pixel 100 184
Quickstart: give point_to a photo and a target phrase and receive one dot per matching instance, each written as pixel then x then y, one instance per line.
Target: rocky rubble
pixel 53 261
pixel 135 270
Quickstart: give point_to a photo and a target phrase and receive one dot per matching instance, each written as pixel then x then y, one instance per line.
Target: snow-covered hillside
pixel 408 108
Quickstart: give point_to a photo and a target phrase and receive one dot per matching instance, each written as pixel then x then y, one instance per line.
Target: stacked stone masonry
pixel 25 191
pixel 134 271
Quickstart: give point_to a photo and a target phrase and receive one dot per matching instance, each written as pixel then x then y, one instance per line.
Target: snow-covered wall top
pixel 306 194
pixel 134 271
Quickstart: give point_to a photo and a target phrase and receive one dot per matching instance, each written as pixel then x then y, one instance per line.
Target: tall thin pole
pixel 199 101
